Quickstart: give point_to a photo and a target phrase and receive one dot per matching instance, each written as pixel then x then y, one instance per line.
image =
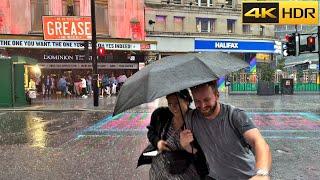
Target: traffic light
pixel 101 52
pixel 290 46
pixel 311 43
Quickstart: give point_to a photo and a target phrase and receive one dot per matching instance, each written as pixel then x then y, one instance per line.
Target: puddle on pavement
pixel 44 129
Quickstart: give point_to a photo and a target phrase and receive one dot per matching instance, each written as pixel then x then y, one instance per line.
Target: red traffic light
pixel 311 40
pixel 101 52
pixel 289 37
pixel 311 43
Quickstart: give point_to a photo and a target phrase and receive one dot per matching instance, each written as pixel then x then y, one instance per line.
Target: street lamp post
pixel 94 56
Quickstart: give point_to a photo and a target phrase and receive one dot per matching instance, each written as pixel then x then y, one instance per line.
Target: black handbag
pixel 146 159
pixel 176 162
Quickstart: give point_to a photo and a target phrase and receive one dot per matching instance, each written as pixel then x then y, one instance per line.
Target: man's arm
pixel 261 149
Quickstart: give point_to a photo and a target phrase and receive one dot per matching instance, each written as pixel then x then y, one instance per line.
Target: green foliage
pixel 281 64
pixel 299 75
pixel 266 72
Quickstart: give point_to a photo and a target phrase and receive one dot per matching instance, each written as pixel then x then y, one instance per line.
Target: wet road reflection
pixel 44 129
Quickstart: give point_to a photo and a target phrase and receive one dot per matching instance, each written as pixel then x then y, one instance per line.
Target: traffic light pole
pixel 297 39
pixel 94 56
pixel 319 51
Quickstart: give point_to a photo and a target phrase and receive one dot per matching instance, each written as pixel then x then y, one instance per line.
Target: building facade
pixel 181 26
pixel 119 26
pixel 175 22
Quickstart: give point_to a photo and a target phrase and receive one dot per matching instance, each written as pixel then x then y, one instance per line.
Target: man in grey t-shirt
pixel 224 134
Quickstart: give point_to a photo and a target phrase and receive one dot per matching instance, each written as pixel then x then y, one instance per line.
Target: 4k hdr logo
pixel 284 12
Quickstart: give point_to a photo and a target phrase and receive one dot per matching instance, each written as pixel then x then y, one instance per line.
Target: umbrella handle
pixel 184 122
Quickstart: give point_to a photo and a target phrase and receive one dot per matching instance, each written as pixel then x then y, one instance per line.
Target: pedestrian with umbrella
pixel 164 129
pixel 174 73
pixel 233 146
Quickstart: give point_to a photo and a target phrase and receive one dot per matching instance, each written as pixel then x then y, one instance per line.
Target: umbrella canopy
pixel 174 73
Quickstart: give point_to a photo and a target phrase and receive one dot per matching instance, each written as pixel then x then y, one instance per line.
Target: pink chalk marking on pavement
pixel 114 123
pixel 143 123
pixel 131 121
pixel 139 121
pixel 285 122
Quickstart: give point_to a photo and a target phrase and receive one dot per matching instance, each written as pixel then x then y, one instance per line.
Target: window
pixel 228 3
pixel 246 29
pixel 281 28
pixel 205 24
pixel 231 23
pixel 101 19
pixel 176 1
pixel 160 23
pixel 207 3
pixel 70 8
pixel 178 23
pixel 262 30
pixel 39 8
pixel 77 8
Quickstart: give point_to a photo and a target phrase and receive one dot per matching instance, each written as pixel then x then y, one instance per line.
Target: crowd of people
pixel 78 86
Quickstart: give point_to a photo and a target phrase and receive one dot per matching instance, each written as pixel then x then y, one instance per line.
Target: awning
pixel 302 58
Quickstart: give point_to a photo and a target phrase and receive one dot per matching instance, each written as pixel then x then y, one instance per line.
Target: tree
pixel 281 64
pixel 266 72
pixel 265 83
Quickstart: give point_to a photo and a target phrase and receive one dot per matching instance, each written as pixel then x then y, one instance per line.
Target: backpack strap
pixel 244 143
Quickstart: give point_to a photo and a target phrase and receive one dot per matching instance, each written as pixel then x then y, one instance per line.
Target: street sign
pixel 236 45
pixel 67 28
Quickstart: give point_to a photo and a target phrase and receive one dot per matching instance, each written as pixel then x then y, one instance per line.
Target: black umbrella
pixel 173 73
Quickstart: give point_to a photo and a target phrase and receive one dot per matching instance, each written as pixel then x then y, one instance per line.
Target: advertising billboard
pixel 67 28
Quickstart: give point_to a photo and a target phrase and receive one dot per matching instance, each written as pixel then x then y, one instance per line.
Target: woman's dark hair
pixel 183 94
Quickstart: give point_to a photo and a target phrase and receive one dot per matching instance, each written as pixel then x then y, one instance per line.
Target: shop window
pixel 178 23
pixel 246 29
pixel 39 8
pixel 231 24
pixel 161 23
pixel 205 25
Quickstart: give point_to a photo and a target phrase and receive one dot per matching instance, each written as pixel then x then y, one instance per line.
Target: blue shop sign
pixel 232 45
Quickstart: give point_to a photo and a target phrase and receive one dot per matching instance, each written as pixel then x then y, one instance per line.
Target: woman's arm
pixel 159 119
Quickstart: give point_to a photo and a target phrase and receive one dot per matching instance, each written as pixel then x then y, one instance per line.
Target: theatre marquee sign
pixel 67 28
pixel 88 65
pixel 18 43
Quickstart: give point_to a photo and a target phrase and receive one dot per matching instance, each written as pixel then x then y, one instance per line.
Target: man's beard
pixel 211 110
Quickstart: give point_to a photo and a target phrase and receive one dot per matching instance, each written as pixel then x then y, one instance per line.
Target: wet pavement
pixel 71 139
